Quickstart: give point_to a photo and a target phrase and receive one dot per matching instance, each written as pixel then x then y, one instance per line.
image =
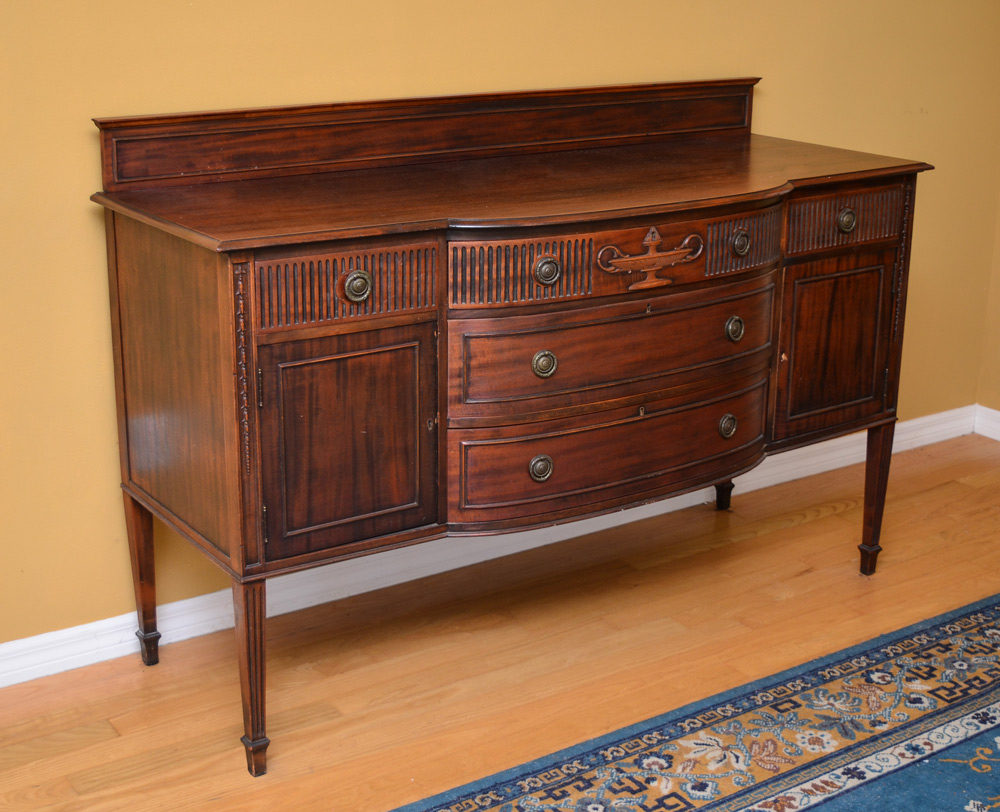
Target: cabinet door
pixel 348 438
pixel 836 327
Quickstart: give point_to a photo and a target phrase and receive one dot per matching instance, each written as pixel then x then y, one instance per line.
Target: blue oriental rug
pixel 910 721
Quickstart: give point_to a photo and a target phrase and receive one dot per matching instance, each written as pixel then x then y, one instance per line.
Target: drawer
pixel 559 266
pixel 549 470
pixel 315 288
pixel 844 218
pixel 524 364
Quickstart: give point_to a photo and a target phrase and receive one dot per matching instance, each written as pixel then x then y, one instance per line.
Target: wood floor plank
pixel 388 697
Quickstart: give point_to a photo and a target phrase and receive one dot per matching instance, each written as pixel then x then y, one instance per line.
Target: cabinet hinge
pixel 263 521
pixel 260 388
pixel 885 386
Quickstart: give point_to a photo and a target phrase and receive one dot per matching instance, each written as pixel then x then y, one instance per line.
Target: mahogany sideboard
pixel 342 329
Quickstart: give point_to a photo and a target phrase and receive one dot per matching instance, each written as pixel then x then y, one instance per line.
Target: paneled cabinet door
pixel 836 330
pixel 348 438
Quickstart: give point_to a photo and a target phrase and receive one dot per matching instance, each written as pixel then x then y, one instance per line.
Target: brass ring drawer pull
pixel 740 243
pixel 544 363
pixel 735 328
pixel 358 286
pixel 847 220
pixel 727 425
pixel 540 467
pixel 547 271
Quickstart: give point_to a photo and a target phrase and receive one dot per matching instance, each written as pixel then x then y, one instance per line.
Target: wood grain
pixel 248 270
pixel 562 188
pixel 240 144
pixel 388 697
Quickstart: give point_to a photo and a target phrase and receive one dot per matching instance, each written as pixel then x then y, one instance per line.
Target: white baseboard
pixel 22 660
pixel 987 422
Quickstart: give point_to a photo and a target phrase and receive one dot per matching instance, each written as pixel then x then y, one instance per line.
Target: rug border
pixel 441 800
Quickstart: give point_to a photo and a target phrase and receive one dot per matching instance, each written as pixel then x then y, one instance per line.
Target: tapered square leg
pixel 249 608
pixel 876 483
pixel 139 526
pixel 723 495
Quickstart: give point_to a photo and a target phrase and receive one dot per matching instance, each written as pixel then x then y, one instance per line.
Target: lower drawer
pixel 562 469
pixel 600 353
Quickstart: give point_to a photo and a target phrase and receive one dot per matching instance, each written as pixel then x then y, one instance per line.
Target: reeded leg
pixel 139 525
pixel 248 603
pixel 723 495
pixel 876 483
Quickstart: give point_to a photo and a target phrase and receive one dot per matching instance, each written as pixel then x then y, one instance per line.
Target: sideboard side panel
pixel 178 381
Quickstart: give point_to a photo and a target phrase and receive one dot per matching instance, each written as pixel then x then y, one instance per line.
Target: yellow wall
pixel 913 78
pixel 989 373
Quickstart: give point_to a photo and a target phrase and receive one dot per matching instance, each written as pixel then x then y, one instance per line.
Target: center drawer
pixel 520 365
pixel 546 471
pixel 523 270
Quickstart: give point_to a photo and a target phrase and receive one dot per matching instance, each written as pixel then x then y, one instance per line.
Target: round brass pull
pixel 847 220
pixel 358 286
pixel 727 425
pixel 547 271
pixel 540 467
pixel 735 328
pixel 740 243
pixel 544 363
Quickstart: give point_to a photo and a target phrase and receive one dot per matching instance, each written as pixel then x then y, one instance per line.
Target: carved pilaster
pixel 903 263
pixel 240 272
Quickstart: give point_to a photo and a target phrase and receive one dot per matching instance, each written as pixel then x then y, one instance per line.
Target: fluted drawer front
pixel 316 289
pixel 575 265
pixel 556 360
pixel 530 472
pixel 844 218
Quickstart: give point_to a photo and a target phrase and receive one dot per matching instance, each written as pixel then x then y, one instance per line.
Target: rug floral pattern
pixel 784 745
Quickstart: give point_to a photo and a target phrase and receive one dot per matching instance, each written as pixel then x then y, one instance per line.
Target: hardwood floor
pixel 388 697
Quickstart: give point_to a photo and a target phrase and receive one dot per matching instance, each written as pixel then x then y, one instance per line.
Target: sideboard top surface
pixel 528 190
pixel 297 175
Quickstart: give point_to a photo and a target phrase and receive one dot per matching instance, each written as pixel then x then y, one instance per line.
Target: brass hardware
pixel 735 328
pixel 540 467
pixel 741 243
pixel 847 220
pixel 547 271
pixel 358 286
pixel 611 259
pixel 544 363
pixel 727 425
